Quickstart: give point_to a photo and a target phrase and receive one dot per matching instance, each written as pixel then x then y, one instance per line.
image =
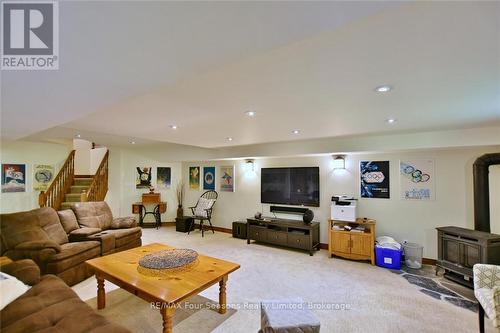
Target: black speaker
pixel 240 230
pixel 308 216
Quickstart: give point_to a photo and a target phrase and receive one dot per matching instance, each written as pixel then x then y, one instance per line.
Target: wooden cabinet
pixel 341 242
pixel 349 244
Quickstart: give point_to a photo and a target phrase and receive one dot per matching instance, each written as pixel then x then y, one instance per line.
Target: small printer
pixel 343 208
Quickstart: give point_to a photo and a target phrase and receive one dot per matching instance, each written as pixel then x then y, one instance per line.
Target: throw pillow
pixel 10 289
pixel 68 220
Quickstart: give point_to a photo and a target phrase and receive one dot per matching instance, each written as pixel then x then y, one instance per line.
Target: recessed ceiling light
pixel 250 113
pixel 78 135
pixel 132 142
pixel 174 127
pixel 383 89
pixel 229 138
pixel 295 131
pixel 391 120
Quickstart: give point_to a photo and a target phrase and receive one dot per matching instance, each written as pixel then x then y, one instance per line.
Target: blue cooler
pixel 388 257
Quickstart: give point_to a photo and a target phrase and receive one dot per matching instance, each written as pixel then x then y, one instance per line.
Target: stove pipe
pixel 482 190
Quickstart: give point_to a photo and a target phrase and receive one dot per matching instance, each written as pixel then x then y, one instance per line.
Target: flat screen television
pixel 290 186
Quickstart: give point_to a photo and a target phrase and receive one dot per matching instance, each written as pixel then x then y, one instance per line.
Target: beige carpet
pixel 197 315
pixel 378 300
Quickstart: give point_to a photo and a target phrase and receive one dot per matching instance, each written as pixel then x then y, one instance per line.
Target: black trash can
pixel 240 229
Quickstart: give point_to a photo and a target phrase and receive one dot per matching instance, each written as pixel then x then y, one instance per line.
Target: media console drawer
pixel 257 233
pixel 277 237
pixel 298 241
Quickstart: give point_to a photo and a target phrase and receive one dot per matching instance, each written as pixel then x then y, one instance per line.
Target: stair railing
pixel 99 186
pixel 54 195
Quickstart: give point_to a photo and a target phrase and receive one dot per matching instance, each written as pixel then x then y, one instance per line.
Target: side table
pixel 140 208
pixel 182 224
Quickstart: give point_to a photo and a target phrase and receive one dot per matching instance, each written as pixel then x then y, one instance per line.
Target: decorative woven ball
pixel 166 262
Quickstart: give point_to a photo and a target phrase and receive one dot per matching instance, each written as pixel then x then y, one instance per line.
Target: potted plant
pixel 180 197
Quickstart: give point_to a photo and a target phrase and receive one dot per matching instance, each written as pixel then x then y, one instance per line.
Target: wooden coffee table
pixel 121 269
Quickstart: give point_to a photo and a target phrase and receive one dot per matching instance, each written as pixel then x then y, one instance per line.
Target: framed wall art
pixel 43 174
pixel 143 177
pixel 209 178
pixel 416 179
pixel 374 179
pixel 194 178
pixel 163 177
pixel 13 178
pixel 226 178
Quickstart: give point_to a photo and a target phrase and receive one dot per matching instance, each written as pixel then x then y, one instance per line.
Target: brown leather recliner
pixel 115 234
pixel 39 235
pixel 49 306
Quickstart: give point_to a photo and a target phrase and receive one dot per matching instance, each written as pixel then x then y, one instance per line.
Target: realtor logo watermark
pixel 30 35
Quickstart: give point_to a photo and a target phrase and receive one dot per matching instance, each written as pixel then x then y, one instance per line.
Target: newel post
pixel 83 196
pixel 42 199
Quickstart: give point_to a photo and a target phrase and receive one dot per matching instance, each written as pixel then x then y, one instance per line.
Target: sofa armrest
pixel 38 245
pixel 486 276
pixel 25 270
pixel 124 223
pixel 39 256
pixel 82 234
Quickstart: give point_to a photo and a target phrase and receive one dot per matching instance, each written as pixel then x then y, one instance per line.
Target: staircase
pixel 68 188
pixel 81 184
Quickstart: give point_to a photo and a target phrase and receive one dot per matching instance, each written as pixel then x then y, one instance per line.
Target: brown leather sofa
pixel 57 243
pixel 49 306
pixel 97 223
pixel 39 235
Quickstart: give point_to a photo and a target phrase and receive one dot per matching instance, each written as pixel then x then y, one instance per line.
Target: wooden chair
pixel 202 211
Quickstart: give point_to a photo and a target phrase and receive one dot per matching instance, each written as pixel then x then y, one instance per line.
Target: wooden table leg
pixel 101 293
pixel 167 313
pixel 222 295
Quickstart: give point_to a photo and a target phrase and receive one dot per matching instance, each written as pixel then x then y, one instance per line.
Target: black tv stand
pixel 284 232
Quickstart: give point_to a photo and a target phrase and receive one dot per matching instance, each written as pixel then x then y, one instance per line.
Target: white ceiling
pixel 131 69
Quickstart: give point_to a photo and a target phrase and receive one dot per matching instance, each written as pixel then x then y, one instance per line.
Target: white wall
pixel 82 156
pixel 96 156
pixel 29 153
pixel 404 220
pixel 122 172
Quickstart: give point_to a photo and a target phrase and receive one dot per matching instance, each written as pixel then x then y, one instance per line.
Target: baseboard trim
pixel 205 227
pixel 429 261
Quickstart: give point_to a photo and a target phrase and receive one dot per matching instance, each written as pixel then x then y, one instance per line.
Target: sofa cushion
pixel 51 306
pixel 82 234
pixel 93 214
pixel 123 222
pixel 73 254
pixel 124 236
pixel 68 220
pixel 21 227
pixel 37 245
pixel 49 221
